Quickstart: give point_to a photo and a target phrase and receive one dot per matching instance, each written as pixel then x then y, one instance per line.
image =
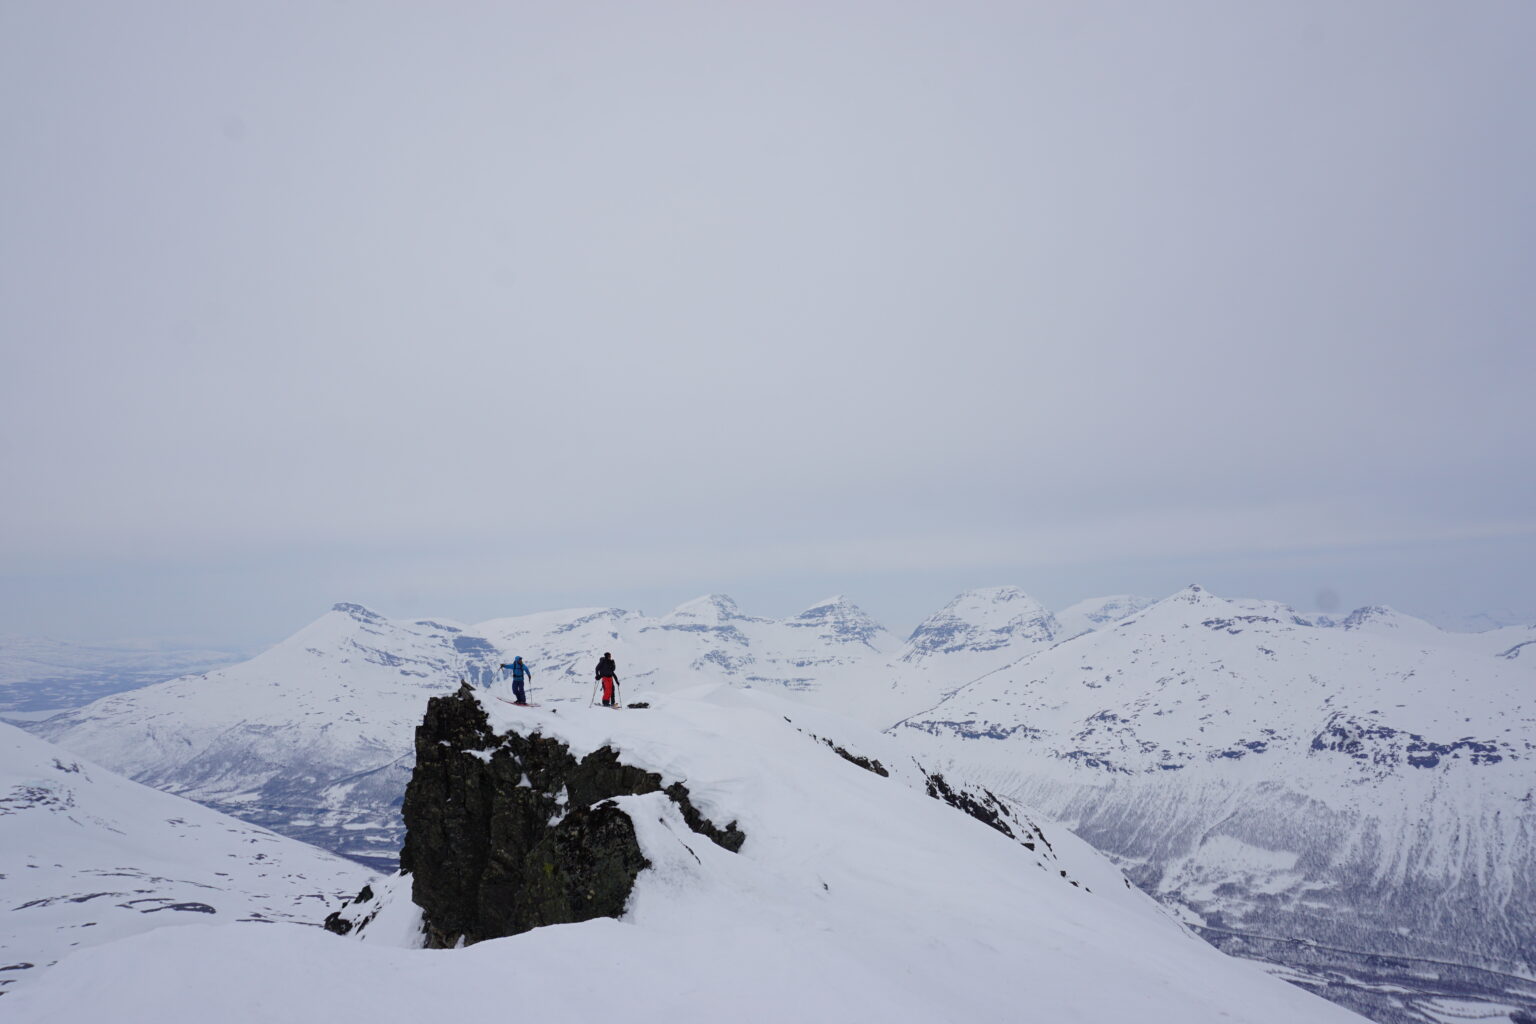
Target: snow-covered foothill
pixel 854 897
pixel 88 857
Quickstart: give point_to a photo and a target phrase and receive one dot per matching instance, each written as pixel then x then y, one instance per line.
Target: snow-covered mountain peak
pixel 992 607
pixel 827 606
pixel 512 630
pixel 991 619
pixel 357 611
pixel 1380 617
pixel 1193 605
pixel 839 619
pixel 991 596
pixel 711 608
pixel 1391 624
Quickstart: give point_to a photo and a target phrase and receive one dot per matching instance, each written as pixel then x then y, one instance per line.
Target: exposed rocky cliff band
pixel 507 833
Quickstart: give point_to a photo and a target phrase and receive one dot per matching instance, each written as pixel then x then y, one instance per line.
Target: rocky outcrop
pixel 508 833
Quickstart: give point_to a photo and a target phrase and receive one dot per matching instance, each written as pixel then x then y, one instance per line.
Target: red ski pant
pixel 607 689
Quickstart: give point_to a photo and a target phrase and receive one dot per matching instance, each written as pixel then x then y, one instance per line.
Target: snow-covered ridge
pixel 854 897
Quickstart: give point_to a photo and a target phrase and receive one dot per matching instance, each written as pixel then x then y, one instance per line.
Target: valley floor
pixel 1389 990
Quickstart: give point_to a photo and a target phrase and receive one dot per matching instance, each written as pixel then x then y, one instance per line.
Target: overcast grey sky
pixel 477 309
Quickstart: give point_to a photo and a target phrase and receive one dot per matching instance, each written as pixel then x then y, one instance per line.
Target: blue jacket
pixel 518 670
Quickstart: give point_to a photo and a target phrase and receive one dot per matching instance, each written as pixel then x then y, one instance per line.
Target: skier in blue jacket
pixel 519 671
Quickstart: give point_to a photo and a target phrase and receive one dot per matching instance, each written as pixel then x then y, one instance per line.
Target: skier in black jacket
pixel 607 674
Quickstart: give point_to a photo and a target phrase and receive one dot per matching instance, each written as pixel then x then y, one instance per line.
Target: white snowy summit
pixel 849 885
pixel 838 620
pixel 981 621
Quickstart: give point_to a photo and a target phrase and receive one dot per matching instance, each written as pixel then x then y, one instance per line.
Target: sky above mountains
pixel 472 313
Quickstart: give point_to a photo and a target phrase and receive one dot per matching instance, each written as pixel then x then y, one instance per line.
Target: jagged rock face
pixel 508 833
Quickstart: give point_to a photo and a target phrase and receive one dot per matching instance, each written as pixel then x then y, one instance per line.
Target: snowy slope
pixel 87 857
pixel 855 897
pixel 1365 785
pixel 310 737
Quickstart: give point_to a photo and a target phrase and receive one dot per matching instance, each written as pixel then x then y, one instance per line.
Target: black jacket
pixel 606 667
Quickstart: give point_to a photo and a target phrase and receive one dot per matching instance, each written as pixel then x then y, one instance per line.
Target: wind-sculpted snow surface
pixel 854 897
pixel 1365 785
pixel 87 857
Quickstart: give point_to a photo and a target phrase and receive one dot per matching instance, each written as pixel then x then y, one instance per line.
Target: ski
pixel 516 704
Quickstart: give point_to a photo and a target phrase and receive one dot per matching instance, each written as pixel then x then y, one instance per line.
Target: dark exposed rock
pixel 583 868
pixel 869 764
pixel 729 837
pixel 342 922
pixel 988 810
pixel 334 922
pixel 1385 746
pixel 508 833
